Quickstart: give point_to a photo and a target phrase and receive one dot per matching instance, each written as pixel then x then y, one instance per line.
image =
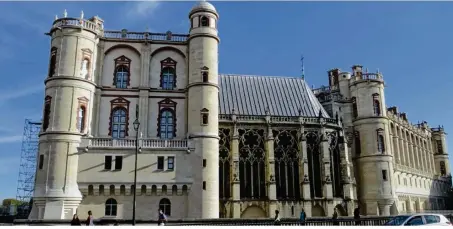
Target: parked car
pixel 419 220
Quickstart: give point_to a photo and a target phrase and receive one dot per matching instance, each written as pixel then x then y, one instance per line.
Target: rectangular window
pixel 171 163
pixel 204 119
pixel 204 163
pixel 205 77
pixel 118 162
pixel 204 185
pixel 384 175
pixel 160 163
pixel 41 161
pixel 439 147
pixel 108 163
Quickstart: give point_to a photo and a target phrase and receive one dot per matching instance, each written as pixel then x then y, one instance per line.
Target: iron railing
pixel 321 221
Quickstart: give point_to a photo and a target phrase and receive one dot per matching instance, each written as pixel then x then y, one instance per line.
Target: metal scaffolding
pixel 28 161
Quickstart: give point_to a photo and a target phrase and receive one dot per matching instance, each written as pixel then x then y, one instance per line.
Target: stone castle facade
pixel 212 145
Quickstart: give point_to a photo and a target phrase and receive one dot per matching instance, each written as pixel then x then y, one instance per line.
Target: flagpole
pixel 303 67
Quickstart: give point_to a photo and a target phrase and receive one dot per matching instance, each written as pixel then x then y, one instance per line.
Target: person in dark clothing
pixel 162 218
pixel 335 217
pixel 357 216
pixel 277 218
pixel 302 217
pixel 75 220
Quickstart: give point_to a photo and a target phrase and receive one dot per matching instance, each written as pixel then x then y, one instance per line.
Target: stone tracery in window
pixel 314 163
pixel 225 164
pixel 286 154
pixel 252 173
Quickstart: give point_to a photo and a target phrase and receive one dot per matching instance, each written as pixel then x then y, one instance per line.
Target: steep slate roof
pixel 250 95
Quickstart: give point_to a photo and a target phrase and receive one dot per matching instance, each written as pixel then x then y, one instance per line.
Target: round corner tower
pixel 69 90
pixel 373 154
pixel 203 110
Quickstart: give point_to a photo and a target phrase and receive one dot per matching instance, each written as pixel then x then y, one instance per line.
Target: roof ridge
pixel 244 75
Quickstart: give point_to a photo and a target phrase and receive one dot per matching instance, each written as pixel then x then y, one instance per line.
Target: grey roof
pixel 250 95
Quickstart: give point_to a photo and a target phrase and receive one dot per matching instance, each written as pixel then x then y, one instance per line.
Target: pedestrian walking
pixel 302 217
pixel 335 217
pixel 357 216
pixel 162 218
pixel 90 219
pixel 75 220
pixel 277 218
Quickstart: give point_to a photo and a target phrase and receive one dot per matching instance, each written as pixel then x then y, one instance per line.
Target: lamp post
pixel 136 127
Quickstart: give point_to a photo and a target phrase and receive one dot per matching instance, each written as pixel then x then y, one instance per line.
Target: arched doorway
pixel 317 211
pixel 253 212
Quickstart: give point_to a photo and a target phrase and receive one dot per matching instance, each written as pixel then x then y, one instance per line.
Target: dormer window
pixel 204 21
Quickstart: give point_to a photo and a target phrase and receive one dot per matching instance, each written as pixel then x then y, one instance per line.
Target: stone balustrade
pixel 407 169
pixel 76 22
pixel 131 143
pixel 277 119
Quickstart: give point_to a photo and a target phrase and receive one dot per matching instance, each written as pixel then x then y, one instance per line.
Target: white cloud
pixel 139 10
pixel 13 94
pixel 9 139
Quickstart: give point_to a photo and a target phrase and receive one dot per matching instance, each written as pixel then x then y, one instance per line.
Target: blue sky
pixel 410 42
